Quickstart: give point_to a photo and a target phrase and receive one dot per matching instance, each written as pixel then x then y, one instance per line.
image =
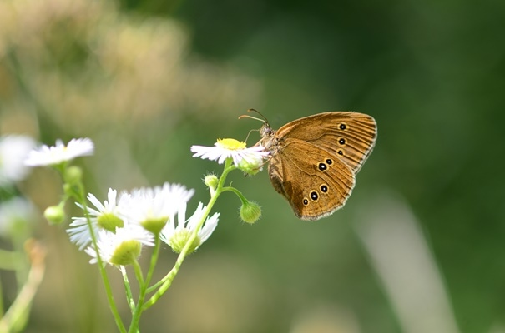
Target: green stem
pixel 167 280
pixel 144 284
pixel 128 291
pixel 138 272
pixel 138 309
pixel 237 192
pixel 101 266
pixel 155 286
pixel 154 258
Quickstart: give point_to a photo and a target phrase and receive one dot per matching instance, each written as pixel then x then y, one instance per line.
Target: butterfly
pixel 314 160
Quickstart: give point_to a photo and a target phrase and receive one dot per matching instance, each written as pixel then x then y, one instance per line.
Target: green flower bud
pixel 250 212
pixel 54 214
pixel 211 181
pixel 251 167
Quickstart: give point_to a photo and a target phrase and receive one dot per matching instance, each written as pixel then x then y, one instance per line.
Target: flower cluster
pixel 117 229
pixel 125 223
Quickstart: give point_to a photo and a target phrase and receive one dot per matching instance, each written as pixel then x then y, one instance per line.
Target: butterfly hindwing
pixel 314 187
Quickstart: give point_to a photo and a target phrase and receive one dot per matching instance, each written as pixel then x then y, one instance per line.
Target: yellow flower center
pixel 230 144
pixel 179 240
pixel 110 221
pixel 154 224
pixel 126 253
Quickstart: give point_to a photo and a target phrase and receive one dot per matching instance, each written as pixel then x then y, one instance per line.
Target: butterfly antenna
pixel 262 119
pixel 261 115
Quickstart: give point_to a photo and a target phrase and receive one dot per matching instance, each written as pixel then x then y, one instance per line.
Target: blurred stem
pixel 166 282
pixel 1 300
pixel 23 266
pixel 15 318
pixel 22 273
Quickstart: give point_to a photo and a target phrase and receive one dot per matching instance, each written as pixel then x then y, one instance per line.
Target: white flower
pixel 104 217
pixel 230 148
pixel 15 216
pixel 122 247
pixel 152 208
pixel 13 152
pixel 60 153
pixel 177 236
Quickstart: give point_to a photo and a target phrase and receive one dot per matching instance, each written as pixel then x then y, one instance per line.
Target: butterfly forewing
pixel 350 135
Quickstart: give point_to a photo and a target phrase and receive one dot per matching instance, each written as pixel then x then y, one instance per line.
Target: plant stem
pixel 237 192
pixel 144 284
pixel 167 280
pixel 128 291
pixel 101 266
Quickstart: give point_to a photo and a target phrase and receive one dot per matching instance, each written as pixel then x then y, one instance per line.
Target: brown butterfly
pixel 314 160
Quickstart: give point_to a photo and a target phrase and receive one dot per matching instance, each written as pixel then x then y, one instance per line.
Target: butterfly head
pixel 268 139
pixel 266 131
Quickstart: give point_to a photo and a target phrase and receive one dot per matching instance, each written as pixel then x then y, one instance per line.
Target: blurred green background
pixel 420 245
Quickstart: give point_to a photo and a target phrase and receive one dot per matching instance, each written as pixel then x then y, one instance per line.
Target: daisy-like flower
pixel 105 217
pixel 13 152
pixel 122 247
pixel 45 155
pixel 225 148
pixel 152 208
pixel 177 236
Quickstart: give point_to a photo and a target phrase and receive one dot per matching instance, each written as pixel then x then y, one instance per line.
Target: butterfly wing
pixel 350 135
pixel 314 187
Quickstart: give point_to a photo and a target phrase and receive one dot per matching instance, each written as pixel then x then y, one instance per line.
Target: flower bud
pixel 250 212
pixel 54 214
pixel 251 165
pixel 211 181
